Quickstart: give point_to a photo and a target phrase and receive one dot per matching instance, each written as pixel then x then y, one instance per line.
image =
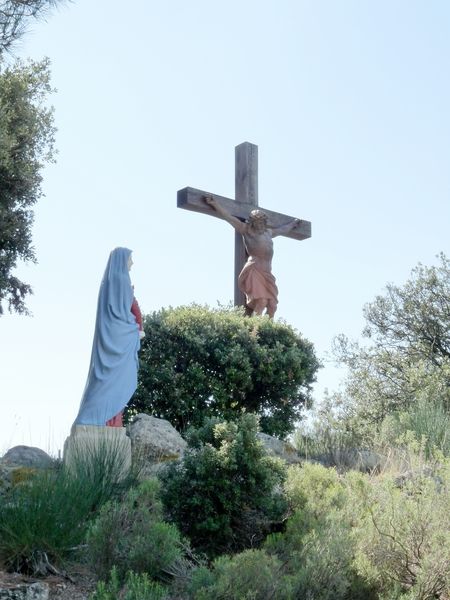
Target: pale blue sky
pixel 348 102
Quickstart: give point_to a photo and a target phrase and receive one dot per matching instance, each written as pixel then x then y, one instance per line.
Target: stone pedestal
pixel 92 446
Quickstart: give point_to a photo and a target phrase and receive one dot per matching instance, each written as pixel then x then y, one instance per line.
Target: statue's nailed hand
pixel 210 201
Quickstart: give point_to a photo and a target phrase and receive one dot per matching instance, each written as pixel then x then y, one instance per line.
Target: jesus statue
pixel 256 280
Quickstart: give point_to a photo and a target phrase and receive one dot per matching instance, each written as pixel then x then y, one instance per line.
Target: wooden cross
pixel 246 191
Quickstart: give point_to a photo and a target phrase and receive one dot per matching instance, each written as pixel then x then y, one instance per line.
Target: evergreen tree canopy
pixel 197 363
pixel 26 144
pixel 15 16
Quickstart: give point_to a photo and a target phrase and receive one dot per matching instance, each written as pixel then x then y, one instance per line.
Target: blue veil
pixel 112 377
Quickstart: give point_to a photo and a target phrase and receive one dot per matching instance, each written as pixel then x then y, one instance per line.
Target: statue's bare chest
pixel 259 244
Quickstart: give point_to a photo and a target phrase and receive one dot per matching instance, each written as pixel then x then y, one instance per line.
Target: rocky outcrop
pixel 154 443
pixel 279 449
pixel 357 459
pixel 25 591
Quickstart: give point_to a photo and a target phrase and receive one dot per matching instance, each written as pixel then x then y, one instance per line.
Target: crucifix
pixel 242 213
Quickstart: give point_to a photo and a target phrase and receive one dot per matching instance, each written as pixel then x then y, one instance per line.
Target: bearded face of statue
pixel 258 220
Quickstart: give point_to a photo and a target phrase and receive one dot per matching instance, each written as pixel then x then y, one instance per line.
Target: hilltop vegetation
pixel 230 522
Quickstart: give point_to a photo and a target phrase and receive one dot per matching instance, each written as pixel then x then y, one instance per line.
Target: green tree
pixel 26 144
pixel 15 16
pixel 407 354
pixel 225 494
pixel 197 363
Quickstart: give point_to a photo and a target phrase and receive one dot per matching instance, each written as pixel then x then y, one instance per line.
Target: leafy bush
pixel 131 535
pixel 225 494
pixel 315 489
pixel 317 549
pixel 137 587
pixel 404 539
pixel 45 517
pixel 251 575
pixel 197 363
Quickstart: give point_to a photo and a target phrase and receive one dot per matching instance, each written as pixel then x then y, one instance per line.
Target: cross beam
pixel 246 190
pixel 193 199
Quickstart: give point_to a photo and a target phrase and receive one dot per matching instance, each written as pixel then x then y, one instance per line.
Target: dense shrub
pixel 225 494
pixel 196 362
pixel 131 535
pixel 404 541
pixel 251 575
pixel 45 517
pixel 317 549
pixel 314 489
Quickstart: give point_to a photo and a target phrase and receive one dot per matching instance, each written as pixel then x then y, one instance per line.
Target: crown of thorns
pixel 258 215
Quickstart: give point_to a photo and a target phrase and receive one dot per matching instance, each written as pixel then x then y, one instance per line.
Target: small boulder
pixel 20 463
pixel 25 591
pixel 154 442
pixel 28 456
pixel 279 448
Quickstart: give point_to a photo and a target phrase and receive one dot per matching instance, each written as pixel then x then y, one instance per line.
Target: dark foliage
pixel 16 15
pixel 27 137
pixel 225 496
pixel 198 363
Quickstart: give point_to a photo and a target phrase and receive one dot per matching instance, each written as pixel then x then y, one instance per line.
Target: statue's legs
pixel 271 308
pixel 259 305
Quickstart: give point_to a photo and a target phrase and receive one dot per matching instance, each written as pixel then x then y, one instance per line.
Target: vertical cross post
pixel 246 191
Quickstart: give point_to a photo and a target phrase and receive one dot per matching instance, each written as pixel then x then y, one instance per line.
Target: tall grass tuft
pixel 136 587
pixel 428 422
pixel 44 518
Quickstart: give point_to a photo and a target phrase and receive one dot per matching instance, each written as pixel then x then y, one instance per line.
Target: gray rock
pixel 28 456
pixel 19 462
pixel 358 459
pixel 154 443
pixel 421 473
pixel 279 448
pixel 25 591
pixel 6 476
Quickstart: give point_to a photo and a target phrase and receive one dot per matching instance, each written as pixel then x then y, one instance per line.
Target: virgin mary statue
pixel 112 377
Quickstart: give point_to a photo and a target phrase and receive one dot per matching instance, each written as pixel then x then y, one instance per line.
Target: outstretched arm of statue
pixel 234 221
pixel 285 228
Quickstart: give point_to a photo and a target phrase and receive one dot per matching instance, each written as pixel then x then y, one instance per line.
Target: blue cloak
pixel 112 377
